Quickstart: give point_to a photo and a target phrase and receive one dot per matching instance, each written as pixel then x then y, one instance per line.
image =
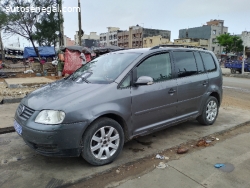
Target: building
pixel 109 38
pixel 68 41
pixel 90 43
pixel 245 36
pixel 136 34
pixel 209 32
pixel 92 36
pixel 203 43
pixel 149 42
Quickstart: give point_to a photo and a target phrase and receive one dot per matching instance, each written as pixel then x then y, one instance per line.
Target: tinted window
pixel 158 67
pixel 185 64
pixel 208 62
pixel 199 63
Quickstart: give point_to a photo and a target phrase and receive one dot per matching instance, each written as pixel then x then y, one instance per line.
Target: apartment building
pixel 149 42
pixel 109 38
pixel 133 38
pixel 91 36
pixel 68 41
pixel 210 31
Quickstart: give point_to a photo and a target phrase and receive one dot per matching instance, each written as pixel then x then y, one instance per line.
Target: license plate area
pixel 18 128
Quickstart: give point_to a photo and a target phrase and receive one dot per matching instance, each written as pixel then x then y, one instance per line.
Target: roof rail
pixel 175 46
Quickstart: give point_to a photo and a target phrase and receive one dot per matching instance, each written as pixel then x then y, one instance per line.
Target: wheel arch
pixel 119 120
pixel 217 96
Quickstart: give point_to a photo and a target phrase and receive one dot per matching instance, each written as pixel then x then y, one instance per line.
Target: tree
pixel 23 16
pixel 46 30
pixel 3 22
pixel 231 43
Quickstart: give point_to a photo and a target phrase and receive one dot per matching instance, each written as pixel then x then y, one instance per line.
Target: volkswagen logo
pixel 22 110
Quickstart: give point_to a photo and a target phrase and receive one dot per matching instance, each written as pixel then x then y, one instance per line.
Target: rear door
pixel 192 82
pixel 154 105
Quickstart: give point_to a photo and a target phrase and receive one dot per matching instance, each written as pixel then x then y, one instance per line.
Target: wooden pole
pixel 80 25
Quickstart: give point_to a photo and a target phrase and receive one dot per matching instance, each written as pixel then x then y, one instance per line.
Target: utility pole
pixel 60 19
pixel 243 59
pixel 80 24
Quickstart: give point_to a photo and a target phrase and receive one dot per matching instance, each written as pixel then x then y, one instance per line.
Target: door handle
pixel 171 91
pixel 205 83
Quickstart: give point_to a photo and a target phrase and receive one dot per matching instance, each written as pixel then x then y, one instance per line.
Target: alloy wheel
pixel 211 111
pixel 105 142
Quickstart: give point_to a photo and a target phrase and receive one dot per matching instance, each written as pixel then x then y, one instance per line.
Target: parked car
pixel 119 96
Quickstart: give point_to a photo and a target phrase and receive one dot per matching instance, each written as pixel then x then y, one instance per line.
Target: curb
pixel 7 130
pixel 10 100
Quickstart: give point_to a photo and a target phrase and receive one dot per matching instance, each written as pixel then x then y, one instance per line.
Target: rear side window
pixel 208 62
pixel 199 62
pixel 185 64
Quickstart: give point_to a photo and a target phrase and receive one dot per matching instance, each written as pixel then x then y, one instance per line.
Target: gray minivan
pixel 118 96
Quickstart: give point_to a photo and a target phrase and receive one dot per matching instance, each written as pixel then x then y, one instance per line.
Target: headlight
pixel 51 117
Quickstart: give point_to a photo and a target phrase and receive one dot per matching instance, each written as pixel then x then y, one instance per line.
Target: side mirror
pixel 144 80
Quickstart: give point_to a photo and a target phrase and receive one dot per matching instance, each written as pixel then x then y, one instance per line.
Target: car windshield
pixel 104 69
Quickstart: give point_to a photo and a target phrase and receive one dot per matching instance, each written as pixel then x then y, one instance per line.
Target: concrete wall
pixel 155 32
pixel 203 32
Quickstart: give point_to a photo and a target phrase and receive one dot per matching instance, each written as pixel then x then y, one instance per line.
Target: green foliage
pixel 3 18
pixel 231 43
pixel 45 34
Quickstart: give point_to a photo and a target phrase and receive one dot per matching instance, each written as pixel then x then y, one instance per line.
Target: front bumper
pixel 52 140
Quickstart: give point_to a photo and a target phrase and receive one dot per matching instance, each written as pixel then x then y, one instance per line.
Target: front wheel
pixel 210 112
pixel 102 142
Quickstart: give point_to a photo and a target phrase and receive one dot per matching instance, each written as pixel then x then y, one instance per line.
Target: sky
pixel 171 15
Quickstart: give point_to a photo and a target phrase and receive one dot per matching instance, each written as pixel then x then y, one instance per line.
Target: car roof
pixel 147 50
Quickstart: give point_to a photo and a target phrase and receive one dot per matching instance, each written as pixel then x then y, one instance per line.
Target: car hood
pixel 56 94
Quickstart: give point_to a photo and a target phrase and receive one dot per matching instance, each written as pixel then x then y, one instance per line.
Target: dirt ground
pixel 17 71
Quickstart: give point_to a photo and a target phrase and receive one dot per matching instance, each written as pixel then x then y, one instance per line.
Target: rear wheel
pixel 102 142
pixel 210 112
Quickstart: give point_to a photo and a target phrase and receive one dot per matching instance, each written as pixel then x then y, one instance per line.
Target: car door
pixel 192 82
pixel 154 105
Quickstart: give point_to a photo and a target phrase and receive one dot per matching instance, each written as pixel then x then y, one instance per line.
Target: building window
pixel 151 41
pixel 214 32
pixel 213 48
pixel 145 41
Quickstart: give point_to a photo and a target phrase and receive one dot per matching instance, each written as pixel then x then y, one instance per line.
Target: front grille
pixel 24 112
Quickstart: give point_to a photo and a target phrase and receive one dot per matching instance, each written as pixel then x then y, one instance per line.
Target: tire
pixel 105 147
pixel 209 112
pixel 233 71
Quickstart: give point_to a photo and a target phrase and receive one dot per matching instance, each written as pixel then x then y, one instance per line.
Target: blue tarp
pixel 44 51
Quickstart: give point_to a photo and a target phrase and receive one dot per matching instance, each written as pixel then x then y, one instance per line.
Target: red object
pixel 88 57
pixel 72 61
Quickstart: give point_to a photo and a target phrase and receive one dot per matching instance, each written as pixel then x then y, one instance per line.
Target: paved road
pixel 236 83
